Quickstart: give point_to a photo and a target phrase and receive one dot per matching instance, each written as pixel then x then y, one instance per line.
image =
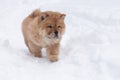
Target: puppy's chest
pixel 45 42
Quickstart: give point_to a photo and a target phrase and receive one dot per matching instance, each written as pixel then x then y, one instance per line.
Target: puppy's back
pixel 35 13
pixel 26 22
pixel 31 17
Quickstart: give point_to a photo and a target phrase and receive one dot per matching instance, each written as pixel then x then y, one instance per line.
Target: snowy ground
pixel 90 49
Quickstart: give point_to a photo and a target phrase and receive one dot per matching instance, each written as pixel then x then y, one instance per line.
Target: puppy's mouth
pixel 54 35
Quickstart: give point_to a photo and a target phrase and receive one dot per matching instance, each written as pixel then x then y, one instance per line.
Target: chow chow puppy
pixel 44 30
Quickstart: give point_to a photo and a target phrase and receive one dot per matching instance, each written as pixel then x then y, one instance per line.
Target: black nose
pixel 56 33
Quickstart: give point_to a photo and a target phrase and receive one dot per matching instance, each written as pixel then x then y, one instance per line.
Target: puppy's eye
pixel 49 26
pixel 59 26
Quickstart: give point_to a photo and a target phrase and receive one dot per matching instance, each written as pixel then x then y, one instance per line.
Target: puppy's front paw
pixel 53 58
pixel 37 55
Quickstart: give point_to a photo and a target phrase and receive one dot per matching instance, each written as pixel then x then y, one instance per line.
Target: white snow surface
pixel 90 48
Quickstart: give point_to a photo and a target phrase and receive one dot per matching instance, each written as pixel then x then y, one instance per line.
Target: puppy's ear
pixel 62 16
pixel 43 16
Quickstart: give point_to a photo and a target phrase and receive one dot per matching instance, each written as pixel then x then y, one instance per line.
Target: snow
pixel 90 48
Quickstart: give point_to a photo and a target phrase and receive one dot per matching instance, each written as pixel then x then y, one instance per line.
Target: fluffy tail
pixel 35 13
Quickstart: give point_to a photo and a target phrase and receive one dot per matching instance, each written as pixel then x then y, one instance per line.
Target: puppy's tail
pixel 35 13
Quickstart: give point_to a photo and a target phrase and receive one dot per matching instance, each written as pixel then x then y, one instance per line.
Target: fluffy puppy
pixel 44 30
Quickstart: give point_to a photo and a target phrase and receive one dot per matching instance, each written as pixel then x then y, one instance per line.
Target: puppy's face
pixel 52 25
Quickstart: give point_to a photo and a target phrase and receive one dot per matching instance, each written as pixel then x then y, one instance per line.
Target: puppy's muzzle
pixel 56 34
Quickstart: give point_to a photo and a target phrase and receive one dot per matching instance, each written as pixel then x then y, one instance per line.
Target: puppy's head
pixel 52 24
